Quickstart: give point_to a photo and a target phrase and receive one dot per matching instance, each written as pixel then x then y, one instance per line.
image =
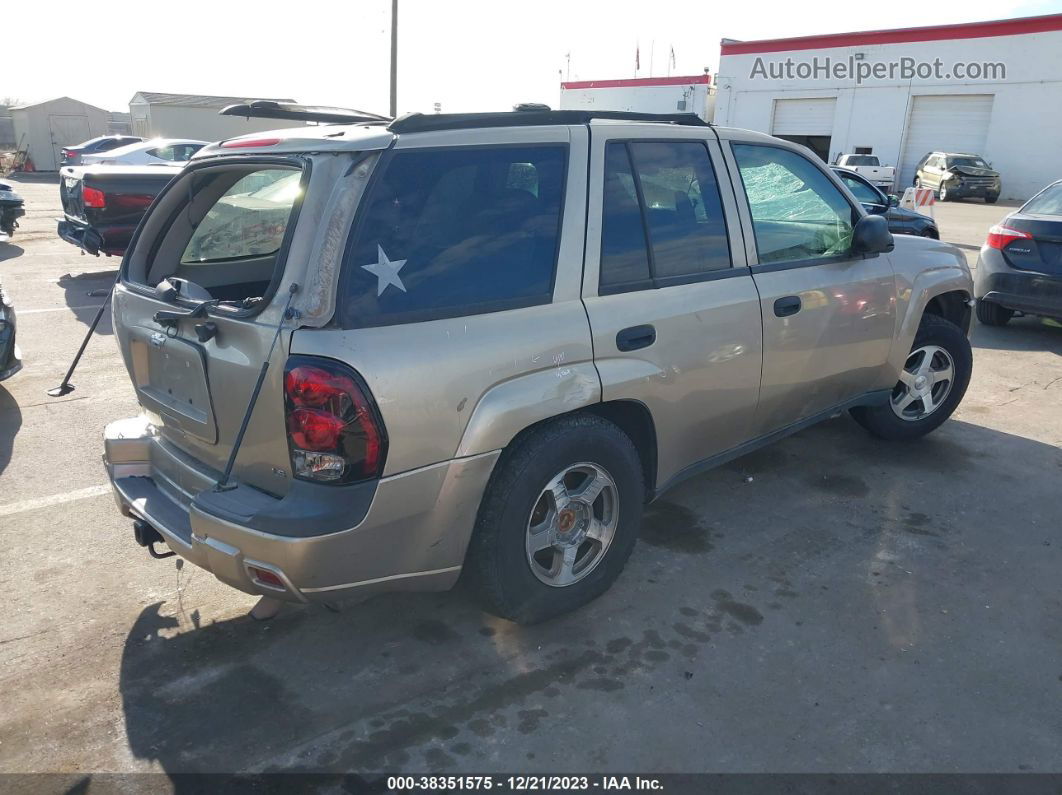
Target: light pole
pixel 394 58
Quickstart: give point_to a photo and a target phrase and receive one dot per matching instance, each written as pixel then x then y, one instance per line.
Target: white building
pixel 44 128
pixel 156 115
pixel 989 88
pixel 680 94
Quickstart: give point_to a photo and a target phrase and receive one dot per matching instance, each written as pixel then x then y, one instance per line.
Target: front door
pixel 673 309
pixel 828 315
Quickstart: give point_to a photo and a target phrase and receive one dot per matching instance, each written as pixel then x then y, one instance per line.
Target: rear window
pixel 1047 202
pixel 248 220
pixel 861 160
pixel 451 232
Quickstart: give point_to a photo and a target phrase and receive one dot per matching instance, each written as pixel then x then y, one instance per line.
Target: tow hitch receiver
pixel 148 536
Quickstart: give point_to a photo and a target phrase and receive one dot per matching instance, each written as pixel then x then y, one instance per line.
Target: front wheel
pixel 943 192
pixel 558 521
pixel 933 381
pixel 991 198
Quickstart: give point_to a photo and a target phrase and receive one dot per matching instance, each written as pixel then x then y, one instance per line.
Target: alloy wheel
pixel 924 384
pixel 572 524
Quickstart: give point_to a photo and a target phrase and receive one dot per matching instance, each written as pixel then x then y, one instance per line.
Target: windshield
pixel 972 162
pixel 1047 202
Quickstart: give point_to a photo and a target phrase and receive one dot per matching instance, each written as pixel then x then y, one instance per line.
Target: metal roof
pixel 196 100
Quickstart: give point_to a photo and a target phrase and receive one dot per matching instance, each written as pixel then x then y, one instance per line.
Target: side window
pixel 671 192
pixel 687 229
pixel 451 232
pixel 860 189
pixel 624 255
pixel 797 212
pixel 162 153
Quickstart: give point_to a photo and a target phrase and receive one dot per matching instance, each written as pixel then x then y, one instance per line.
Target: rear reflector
pixel 252 143
pixel 132 201
pixel 91 197
pixel 266 577
pixel 999 236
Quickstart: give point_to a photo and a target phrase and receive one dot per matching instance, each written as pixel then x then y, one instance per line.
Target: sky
pixel 467 55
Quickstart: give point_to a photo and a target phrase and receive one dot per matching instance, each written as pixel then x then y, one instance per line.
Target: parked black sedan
pixel 1020 266
pixel 874 201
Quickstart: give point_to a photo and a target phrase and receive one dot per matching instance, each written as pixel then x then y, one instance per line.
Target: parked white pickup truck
pixel 870 167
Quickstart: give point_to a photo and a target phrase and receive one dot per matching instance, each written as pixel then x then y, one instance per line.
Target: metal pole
pixel 394 58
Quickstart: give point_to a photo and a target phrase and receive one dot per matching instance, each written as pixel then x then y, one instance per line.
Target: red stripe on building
pixel 968 30
pixel 636 82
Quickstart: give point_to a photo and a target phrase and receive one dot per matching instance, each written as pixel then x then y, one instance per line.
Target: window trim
pixel 341 312
pixel 743 198
pixel 655 282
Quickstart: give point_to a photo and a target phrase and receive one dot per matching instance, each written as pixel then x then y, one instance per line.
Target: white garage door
pixel 950 123
pixel 803 116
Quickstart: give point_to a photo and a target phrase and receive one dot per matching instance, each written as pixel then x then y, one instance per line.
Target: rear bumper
pixel 1025 291
pixel 9 353
pixel 412 536
pixel 109 240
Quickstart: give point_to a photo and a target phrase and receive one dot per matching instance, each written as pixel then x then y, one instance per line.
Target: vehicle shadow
pixel 1027 333
pixel 85 292
pixel 428 682
pixel 10 251
pixel 10 422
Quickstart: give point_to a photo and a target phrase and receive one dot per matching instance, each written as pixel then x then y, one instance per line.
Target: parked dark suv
pixel 876 202
pixel 71 155
pixel 954 175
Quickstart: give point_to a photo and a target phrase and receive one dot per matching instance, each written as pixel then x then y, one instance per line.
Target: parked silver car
pixel 373 356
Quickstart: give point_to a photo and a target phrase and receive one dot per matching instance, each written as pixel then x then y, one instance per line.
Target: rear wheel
pixel 992 314
pixel 933 381
pixel 559 520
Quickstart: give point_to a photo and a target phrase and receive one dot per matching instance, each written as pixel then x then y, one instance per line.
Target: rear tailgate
pixel 227 239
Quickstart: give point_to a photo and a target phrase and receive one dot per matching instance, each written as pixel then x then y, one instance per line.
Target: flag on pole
pixel 637 57
pixel 672 56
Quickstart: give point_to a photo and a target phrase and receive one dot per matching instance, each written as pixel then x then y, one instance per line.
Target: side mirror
pixel 872 236
pixel 894 200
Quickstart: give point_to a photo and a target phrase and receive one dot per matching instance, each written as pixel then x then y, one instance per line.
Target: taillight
pixel 335 434
pixel 249 143
pixel 1000 236
pixel 92 197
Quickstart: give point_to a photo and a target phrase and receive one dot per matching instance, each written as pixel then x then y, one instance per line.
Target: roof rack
pixel 421 122
pixel 270 109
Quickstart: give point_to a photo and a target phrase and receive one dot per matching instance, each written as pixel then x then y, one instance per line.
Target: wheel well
pixel 634 419
pixel 951 306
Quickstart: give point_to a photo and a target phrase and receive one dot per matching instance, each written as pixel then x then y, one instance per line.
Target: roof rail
pixel 421 122
pixel 269 109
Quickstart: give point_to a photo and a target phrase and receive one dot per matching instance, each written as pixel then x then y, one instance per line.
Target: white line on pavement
pixel 56 499
pixel 21 312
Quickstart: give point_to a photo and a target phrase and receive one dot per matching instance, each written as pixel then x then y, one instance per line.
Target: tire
pixel 992 314
pixel 934 333
pixel 942 192
pixel 929 233
pixel 990 199
pixel 917 182
pixel 499 566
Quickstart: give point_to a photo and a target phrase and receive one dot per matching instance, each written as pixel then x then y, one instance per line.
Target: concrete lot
pixel 831 603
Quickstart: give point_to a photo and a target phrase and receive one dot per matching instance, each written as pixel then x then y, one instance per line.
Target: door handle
pixel 789 305
pixel 635 337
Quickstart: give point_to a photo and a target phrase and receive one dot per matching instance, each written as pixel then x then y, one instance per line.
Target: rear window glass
pixel 248 220
pixel 1049 202
pixel 861 160
pixel 450 232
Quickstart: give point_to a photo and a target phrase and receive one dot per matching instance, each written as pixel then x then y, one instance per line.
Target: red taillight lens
pixel 133 201
pixel 249 143
pixel 1000 236
pixel 334 431
pixel 91 197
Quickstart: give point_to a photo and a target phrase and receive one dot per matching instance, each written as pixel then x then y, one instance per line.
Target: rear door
pixel 828 315
pixel 673 309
